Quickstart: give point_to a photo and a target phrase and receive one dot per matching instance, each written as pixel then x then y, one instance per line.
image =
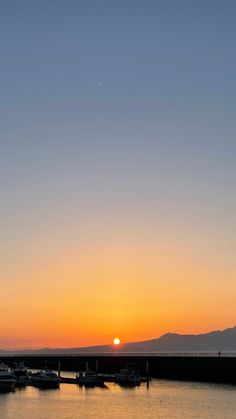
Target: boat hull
pixel 90 383
pixel 7 385
pixel 46 384
pixel 128 383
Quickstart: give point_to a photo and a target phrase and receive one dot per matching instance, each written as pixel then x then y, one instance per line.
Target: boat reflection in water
pixel 7 379
pixel 45 379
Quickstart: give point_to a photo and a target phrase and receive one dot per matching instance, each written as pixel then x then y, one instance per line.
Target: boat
pixel 20 371
pixel 45 379
pixel 128 376
pixel 89 378
pixel 7 379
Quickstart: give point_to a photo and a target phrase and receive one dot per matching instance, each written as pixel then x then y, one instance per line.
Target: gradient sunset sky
pixel 117 170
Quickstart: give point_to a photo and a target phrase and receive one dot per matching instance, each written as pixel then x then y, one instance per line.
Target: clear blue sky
pixel 117 116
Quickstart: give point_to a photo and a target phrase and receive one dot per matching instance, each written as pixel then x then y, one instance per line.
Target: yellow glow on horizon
pixel 116 341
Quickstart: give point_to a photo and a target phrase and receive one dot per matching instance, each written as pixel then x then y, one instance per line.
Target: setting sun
pixel 116 341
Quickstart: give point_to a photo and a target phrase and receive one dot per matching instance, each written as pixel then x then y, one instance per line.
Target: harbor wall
pixel 199 368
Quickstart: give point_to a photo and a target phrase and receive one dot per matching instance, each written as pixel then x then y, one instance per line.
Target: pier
pixel 209 367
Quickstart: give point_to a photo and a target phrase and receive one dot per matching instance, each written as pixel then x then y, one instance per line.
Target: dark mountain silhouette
pixel 170 342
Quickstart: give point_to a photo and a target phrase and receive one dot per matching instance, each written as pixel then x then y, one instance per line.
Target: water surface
pixel 163 399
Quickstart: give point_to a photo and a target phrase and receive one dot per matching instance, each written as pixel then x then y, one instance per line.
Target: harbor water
pixel 162 399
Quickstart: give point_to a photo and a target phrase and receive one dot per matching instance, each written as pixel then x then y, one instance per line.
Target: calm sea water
pixel 163 399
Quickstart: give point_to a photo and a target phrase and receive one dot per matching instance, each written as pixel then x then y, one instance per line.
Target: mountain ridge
pixel 217 340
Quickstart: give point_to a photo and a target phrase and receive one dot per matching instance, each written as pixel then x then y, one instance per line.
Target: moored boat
pixel 89 378
pixel 128 377
pixel 45 379
pixel 20 371
pixel 7 379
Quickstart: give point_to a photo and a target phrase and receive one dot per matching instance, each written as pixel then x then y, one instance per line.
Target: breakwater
pixel 199 367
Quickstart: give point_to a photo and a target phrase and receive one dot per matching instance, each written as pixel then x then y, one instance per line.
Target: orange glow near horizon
pixel 141 291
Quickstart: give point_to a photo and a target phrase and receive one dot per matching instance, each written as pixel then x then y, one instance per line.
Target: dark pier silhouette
pixel 215 367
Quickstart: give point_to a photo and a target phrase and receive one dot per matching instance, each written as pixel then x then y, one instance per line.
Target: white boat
pixel 7 379
pixel 45 379
pixel 128 377
pixel 89 378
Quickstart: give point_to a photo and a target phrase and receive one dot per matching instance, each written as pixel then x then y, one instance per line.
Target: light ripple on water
pixel 163 399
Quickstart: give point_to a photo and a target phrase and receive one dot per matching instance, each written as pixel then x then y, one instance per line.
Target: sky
pixel 117 170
